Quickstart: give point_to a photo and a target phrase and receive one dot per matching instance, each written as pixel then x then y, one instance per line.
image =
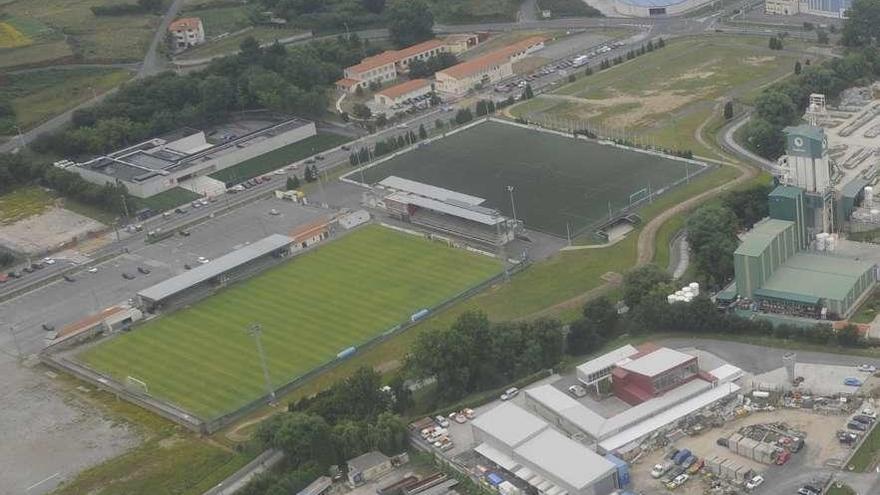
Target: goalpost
pixel 135 385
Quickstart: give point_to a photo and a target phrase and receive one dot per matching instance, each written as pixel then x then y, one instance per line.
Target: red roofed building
pixel 486 69
pixel 387 65
pixel 187 32
pixel 389 97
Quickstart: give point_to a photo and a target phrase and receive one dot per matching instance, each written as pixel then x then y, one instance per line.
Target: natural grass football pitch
pixel 559 182
pixel 310 308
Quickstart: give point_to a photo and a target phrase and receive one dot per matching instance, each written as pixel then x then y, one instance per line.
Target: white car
pixel 443 422
pixel 867 368
pixel 93 270
pixel 659 470
pixel 203 260
pixel 48 261
pixel 510 393
pixel 577 391
pixel 755 482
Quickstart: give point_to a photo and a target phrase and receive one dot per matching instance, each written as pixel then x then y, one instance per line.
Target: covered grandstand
pixel 654 8
pixel 446 212
pixel 217 273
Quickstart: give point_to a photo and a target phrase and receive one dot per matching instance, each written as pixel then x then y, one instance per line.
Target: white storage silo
pixel 670 298
pixel 695 288
pixel 869 196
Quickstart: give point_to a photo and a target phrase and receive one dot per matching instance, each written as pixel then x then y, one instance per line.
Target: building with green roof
pixel 761 252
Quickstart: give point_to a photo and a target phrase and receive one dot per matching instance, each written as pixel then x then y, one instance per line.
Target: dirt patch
pixel 167 443
pixel 758 61
pixel 695 74
pixel 529 65
pixel 48 231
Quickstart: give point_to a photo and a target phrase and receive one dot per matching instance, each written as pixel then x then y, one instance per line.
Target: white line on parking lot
pixel 42 481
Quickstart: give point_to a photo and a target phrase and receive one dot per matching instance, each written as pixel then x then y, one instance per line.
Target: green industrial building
pixel 773 269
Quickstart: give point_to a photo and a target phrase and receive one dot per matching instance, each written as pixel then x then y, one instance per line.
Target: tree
pixel 374 6
pixel 249 50
pixel 423 133
pixel 764 138
pixel 776 107
pixel 660 43
pixel 307 174
pixel 749 205
pixel 822 37
pixel 481 108
pixel 418 69
pixel 292 183
pixel 463 115
pixel 862 26
pixel 602 314
pixel 728 110
pixel 528 94
pixel 582 338
pixel 361 111
pixel 150 5
pixel 638 282
pixel 303 438
pixel 410 21
pixel 711 232
pixel 439 124
pixel 797 68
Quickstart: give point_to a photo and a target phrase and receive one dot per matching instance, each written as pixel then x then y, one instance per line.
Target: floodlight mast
pixel 255 331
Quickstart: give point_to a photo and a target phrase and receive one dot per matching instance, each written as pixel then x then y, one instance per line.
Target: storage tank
pixel 788 361
pixel 869 196
pixel 695 288
pixel 671 299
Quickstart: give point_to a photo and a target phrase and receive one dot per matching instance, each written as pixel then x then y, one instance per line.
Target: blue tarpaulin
pixel 494 479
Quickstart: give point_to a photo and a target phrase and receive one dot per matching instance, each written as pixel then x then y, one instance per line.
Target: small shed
pixel 368 467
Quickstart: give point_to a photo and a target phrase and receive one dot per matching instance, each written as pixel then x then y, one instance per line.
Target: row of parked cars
pixel 31 268
pixel 256 181
pixel 572 62
pixel 678 467
pixel 863 421
pixel 416 103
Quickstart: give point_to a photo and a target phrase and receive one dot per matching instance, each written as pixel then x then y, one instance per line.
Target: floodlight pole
pixel 255 331
pixel 512 205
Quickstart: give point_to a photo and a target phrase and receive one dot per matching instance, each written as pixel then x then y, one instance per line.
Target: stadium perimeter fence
pixel 180 415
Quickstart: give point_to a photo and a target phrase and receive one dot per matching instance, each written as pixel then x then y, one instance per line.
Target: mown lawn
pixel 310 308
pixel 279 158
pixel 169 199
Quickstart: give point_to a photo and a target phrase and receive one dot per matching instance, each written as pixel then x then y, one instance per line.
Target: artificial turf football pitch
pixel 341 294
pixel 560 184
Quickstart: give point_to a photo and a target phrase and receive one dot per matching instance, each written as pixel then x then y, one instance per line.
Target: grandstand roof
pixel 805 277
pixel 202 273
pixel 465 211
pixel 761 236
pixel 428 191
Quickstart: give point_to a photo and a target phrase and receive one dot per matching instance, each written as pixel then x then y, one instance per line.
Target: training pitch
pixel 559 182
pixel 341 294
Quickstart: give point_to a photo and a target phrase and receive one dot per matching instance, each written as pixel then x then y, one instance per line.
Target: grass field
pixel 23 203
pixel 464 11
pixel 60 28
pixel 169 199
pixel 866 456
pixel 280 157
pixel 557 180
pixel 341 294
pixel 39 95
pixel 665 95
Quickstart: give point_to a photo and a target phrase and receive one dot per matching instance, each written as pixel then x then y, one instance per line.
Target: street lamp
pixel 255 331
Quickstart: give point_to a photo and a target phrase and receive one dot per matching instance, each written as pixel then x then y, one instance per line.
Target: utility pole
pixel 255 331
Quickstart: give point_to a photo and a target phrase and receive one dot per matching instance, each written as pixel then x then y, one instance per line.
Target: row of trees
pixel 354 416
pixel 475 354
pixel 290 80
pixel 422 69
pixel 140 7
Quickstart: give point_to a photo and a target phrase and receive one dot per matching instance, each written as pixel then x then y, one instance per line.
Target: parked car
pixel 469 413
pixel 755 482
pixel 806 491
pixel 510 393
pixel 127 276
pixel 813 489
pixel 144 270
pixel 852 382
pixel 48 327
pixel 443 422
pixel 93 270
pixel 783 457
pixel 577 391
pixel 203 260
pixel 855 425
pixel 695 467
pixel 14 275
pixel 689 461
pixel 184 233
pixel 186 266
pixel 660 469
pixel 68 278
pixel 867 368
pixel 677 481
pixel 865 420
pixel 722 442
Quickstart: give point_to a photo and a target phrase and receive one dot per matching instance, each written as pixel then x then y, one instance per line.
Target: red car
pixel 783 458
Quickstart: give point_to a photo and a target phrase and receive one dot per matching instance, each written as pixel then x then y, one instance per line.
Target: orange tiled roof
pixel 404 88
pixel 392 56
pixel 496 57
pixel 347 82
pixel 185 23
